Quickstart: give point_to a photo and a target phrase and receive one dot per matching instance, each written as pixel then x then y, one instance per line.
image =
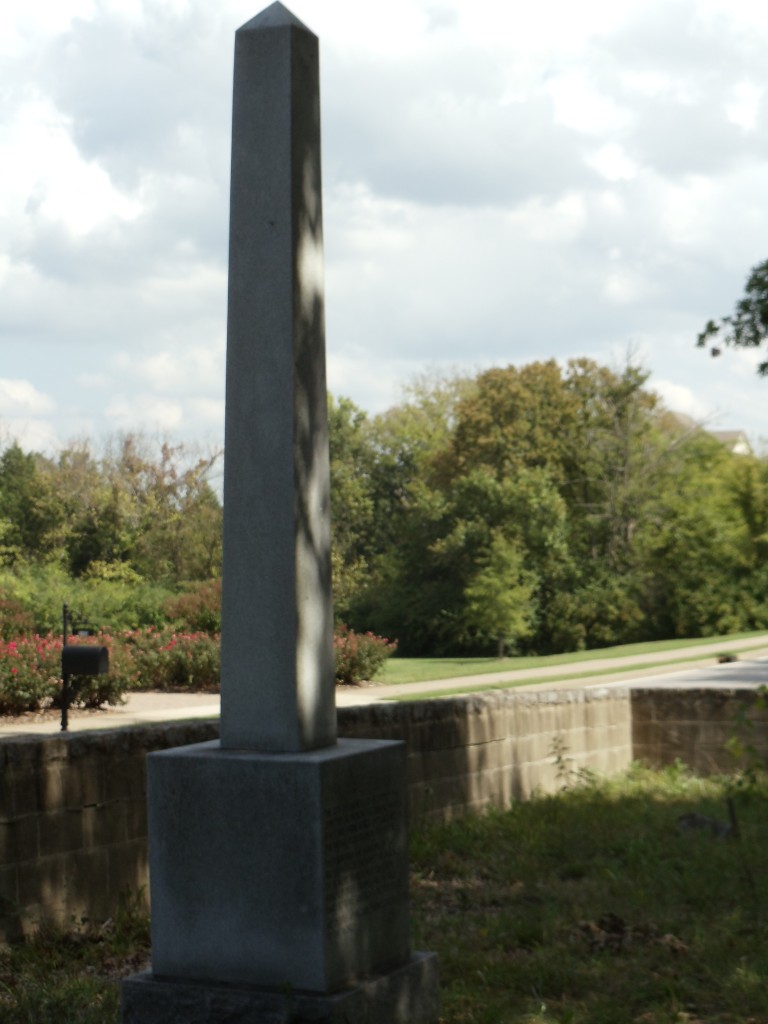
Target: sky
pixel 503 182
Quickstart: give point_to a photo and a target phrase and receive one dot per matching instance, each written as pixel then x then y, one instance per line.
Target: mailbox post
pixel 78 660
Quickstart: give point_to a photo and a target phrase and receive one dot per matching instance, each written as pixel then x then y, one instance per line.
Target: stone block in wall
pixel 135 815
pixel 443 795
pixel 120 821
pixel 708 758
pixel 459 761
pixel 597 715
pixel 98 826
pixel 484 720
pixel 125 778
pixel 61 831
pixel 447 731
pixel 371 721
pixel 22 792
pixel 692 726
pixel 417 804
pixel 444 798
pixel 6 797
pixel 610 706
pixel 11 929
pixel 576 739
pixel 538 746
pixel 19 840
pixel 435 724
pixel 128 871
pixel 711 733
pixel 51 787
pixel 643 707
pixel 540 777
pixel 613 760
pixel 675 707
pixel 414 768
pixel 89 893
pixel 491 787
pixel 42 888
pixel 84 779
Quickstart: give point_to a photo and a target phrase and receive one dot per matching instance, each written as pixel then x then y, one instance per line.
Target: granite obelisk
pixel 278 856
pixel 277 623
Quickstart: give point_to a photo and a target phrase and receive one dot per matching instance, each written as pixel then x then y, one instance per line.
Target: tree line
pixel 133 511
pixel 129 535
pixel 540 509
pixel 521 509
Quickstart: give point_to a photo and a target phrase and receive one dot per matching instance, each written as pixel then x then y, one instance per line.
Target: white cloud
pixel 20 396
pixel 624 286
pixel 680 398
pixel 744 107
pixel 144 413
pixel 21 23
pixel 612 163
pixel 179 372
pixel 501 185
pixel 46 177
pixel 580 105
pixel 206 412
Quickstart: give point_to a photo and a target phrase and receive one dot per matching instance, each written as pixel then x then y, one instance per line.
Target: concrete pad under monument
pixel 278 856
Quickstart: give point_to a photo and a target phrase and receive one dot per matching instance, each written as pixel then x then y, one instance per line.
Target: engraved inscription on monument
pixel 361 875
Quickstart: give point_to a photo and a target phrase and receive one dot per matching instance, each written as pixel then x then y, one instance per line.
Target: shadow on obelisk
pixel 279 855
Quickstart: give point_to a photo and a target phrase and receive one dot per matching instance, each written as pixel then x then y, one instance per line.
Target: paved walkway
pixel 685 667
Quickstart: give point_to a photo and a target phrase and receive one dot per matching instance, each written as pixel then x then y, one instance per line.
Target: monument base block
pixel 406 995
pixel 285 871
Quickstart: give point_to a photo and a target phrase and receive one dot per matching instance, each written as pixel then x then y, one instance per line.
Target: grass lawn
pixel 590 907
pixel 419 670
pixel 593 907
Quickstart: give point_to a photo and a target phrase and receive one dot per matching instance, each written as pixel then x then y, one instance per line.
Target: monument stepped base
pixel 406 995
pixel 279 870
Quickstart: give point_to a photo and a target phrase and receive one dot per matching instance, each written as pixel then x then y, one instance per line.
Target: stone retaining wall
pixel 72 807
pixel 467 752
pixel 695 725
pixel 73 822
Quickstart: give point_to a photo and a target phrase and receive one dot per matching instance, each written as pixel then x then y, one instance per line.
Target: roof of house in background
pixel 735 440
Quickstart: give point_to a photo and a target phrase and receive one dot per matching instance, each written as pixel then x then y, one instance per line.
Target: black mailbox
pixel 84 660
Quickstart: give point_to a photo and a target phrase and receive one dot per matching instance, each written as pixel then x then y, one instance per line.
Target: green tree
pixel 499 596
pixel 152 508
pixel 613 457
pixel 747 326
pixel 408 442
pixel 513 417
pixel 695 581
pixel 352 511
pixel 564 508
pixel 30 513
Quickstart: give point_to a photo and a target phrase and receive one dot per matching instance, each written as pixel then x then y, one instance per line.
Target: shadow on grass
pixel 609 903
pixel 72 976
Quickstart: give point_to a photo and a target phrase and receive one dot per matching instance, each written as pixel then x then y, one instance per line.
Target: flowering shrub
pixel 149 659
pixel 359 656
pixel 29 673
pixel 167 660
pixel 198 610
pixel 15 620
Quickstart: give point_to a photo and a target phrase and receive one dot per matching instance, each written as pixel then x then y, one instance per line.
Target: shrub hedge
pixel 148 659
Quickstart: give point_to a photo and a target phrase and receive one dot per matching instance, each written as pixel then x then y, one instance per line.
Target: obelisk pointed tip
pixel 276 15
